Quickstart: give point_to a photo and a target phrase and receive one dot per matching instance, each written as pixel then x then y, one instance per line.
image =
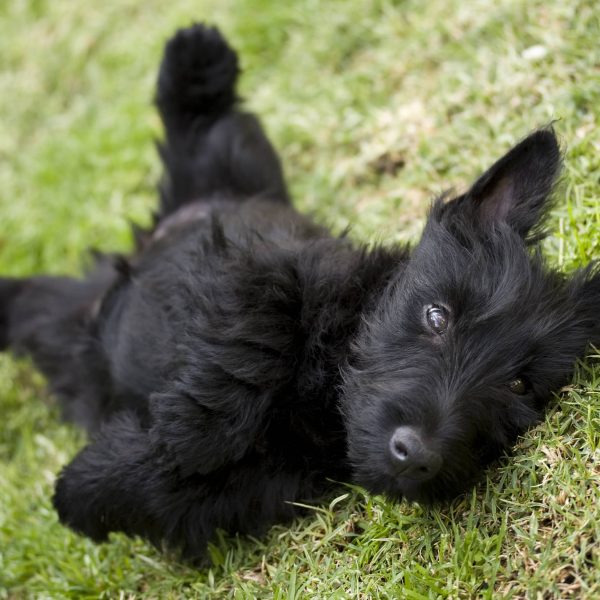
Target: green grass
pixel 376 105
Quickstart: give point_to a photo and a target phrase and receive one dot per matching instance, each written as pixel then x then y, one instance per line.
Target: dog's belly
pixel 143 319
pixel 239 218
pixel 194 212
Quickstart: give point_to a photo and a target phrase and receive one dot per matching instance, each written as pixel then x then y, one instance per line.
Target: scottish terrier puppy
pixel 243 358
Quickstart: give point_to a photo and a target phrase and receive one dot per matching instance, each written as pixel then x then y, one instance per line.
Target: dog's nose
pixel 411 456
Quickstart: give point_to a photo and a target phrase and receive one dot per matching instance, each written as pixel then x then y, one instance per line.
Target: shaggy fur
pixel 243 357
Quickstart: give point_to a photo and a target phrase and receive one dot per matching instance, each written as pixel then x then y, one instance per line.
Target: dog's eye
pixel 517 386
pixel 437 319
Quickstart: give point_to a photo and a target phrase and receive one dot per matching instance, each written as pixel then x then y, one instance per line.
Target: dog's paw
pixel 106 486
pixel 75 511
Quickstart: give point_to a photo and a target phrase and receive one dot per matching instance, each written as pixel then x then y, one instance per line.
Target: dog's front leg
pixel 206 432
pixel 107 487
pixel 123 481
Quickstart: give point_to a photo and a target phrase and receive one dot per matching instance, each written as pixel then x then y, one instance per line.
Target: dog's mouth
pixel 440 486
pixel 415 463
pixel 411 490
pixel 434 490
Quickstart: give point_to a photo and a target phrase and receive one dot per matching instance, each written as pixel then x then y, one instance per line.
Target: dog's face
pixel 471 338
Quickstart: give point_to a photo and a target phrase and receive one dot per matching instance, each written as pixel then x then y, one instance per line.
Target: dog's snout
pixel 411 456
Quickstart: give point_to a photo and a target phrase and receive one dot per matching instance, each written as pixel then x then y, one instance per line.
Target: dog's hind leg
pixel 50 320
pixel 212 149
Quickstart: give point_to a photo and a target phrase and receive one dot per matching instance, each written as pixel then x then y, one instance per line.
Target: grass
pixel 376 105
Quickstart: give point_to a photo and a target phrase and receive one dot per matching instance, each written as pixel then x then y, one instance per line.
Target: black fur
pixel 244 357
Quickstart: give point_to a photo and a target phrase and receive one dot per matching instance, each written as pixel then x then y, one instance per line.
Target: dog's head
pixel 471 337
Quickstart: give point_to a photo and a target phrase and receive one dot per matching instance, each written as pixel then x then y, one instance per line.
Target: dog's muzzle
pixel 411 456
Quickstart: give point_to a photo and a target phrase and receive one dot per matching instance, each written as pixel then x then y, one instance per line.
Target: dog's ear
pixel 517 188
pixel 572 324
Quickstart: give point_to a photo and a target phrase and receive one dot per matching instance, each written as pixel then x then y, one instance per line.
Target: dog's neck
pixel 340 285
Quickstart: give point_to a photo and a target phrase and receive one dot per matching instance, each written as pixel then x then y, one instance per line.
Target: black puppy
pixel 243 357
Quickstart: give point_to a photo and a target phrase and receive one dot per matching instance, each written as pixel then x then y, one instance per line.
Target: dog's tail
pixel 211 149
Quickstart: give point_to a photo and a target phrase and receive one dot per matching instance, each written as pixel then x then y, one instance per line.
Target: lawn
pixel 376 106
